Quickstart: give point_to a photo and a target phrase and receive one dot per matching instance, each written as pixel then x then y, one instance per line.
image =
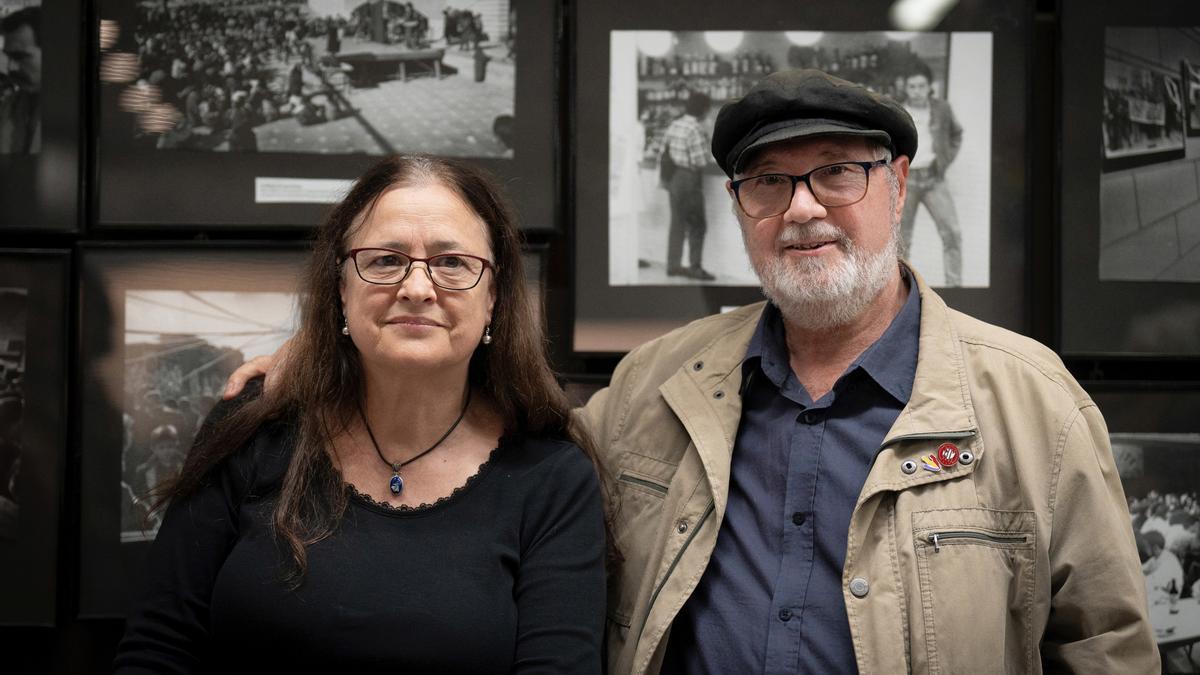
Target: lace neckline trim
pixel 426 506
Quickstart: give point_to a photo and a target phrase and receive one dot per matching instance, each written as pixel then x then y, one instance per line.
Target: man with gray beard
pixel 851 476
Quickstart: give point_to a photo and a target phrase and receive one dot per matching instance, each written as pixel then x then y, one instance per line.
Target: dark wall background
pixel 79 646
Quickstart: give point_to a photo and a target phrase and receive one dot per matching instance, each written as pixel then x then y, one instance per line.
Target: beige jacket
pixel 1034 568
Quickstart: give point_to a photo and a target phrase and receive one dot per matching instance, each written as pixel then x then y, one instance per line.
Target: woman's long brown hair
pixel 322 383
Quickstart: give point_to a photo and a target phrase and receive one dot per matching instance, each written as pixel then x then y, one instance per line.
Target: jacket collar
pixel 705 396
pixel 940 402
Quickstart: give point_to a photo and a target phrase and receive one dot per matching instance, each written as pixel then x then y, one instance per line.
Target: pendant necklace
pixel 396 484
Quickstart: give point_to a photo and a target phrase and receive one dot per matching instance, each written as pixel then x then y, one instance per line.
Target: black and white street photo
pixel 13 316
pixel 1161 477
pixel 180 347
pixel 1149 195
pixel 315 76
pixel 669 216
pixel 20 77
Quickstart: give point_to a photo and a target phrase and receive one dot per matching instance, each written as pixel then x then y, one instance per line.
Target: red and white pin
pixel 947 454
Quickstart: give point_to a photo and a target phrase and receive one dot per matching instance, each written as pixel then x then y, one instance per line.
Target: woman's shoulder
pixel 551 459
pixel 263 460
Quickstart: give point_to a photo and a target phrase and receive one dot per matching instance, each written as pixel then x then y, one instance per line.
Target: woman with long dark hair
pixel 413 493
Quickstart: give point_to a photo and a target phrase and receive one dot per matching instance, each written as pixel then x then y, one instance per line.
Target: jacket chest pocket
pixel 641 490
pixel 977 579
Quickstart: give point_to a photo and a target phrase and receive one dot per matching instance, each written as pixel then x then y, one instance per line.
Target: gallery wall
pixel 154 217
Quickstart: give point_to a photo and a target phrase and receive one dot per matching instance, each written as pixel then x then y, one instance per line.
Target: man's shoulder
pixel 997 347
pixel 685 342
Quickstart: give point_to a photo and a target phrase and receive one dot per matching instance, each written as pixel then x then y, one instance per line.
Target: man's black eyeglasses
pixel 770 194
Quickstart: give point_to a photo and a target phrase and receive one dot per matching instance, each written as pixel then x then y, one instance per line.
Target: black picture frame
pixel 533 259
pixel 1129 243
pixel 163 286
pixel 29 551
pixel 140 187
pixel 1155 436
pixel 40 191
pixel 610 319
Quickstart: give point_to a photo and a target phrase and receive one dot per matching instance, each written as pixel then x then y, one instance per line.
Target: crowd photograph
pixel 318 76
pixel 1162 485
pixel 180 347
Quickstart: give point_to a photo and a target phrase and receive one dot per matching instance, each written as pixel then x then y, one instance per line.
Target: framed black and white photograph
pixel 964 81
pixel 177 322
pixel 1144 105
pixel 293 99
pixel 40 125
pixel 34 311
pixel 1155 439
pixel 1130 182
pixel 1190 72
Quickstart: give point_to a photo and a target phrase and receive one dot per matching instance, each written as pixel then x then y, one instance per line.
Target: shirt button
pixel 810 418
pixel 859 587
pixel 798 518
pixel 785 614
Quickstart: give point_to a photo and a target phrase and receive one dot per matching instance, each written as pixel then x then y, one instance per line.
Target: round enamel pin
pixel 947 454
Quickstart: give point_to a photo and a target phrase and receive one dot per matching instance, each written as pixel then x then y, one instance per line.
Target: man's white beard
pixel 815 294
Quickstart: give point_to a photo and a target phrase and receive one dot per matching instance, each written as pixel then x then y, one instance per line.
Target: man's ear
pixel 900 166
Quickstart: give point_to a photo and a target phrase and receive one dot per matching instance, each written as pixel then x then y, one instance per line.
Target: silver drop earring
pixel 345 326
pixel 487 335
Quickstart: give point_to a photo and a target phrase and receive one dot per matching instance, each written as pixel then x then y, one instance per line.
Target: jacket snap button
pixel 908 466
pixel 681 527
pixel 785 614
pixel 719 394
pixel 966 457
pixel 859 587
pixel 699 365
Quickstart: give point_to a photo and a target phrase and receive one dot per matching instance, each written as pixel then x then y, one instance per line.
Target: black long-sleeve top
pixel 505 575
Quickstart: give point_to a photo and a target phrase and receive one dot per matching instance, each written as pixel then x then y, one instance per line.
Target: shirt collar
pixel 891 361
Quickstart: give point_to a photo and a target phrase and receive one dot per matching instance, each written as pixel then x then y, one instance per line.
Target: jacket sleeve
pixel 953 131
pixel 560 583
pixel 1098 615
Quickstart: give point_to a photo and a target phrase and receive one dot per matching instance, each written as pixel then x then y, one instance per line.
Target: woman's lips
pixel 412 321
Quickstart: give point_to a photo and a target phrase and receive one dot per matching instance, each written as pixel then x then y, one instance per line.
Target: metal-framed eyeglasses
pixel 770 194
pixel 386 267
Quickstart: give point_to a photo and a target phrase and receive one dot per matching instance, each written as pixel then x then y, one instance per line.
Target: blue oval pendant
pixel 397 484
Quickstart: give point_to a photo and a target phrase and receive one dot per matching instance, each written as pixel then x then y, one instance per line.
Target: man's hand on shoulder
pixel 272 366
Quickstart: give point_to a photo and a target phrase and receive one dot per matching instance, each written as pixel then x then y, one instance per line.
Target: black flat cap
pixel 793 103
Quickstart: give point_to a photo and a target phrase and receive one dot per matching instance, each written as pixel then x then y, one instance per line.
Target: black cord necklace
pixel 397 483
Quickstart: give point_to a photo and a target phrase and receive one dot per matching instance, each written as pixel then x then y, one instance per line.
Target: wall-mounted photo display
pixel 39 125
pixel 654 253
pixel 1131 178
pixel 1155 438
pixel 272 108
pixel 34 311
pixel 172 324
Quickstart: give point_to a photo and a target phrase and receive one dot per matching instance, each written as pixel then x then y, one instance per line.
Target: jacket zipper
pixel 657 589
pixel 937 537
pixel 651 485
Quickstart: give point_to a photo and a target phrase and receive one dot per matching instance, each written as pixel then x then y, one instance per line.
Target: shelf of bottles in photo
pixel 879 68
pixel 664 85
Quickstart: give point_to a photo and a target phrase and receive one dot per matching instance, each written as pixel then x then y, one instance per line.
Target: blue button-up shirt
pixel 770 600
